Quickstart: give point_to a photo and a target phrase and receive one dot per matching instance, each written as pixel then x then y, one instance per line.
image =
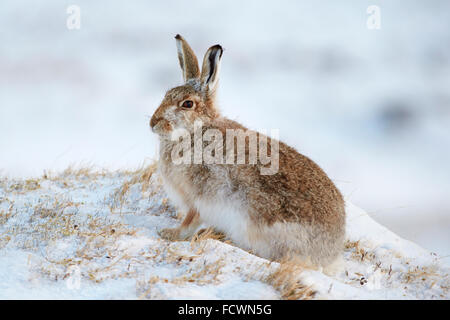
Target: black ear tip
pixel 219 48
pixel 178 37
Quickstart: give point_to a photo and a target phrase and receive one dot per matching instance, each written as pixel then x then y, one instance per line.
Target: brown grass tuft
pixel 141 175
pixel 208 233
pixel 286 279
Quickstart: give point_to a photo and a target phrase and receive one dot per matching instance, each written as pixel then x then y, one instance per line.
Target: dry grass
pixel 23 186
pixel 85 173
pixel 98 254
pixel 5 215
pixel 53 220
pixel 198 270
pixel 81 171
pixel 358 252
pixel 416 275
pixel 286 279
pixel 140 176
pixel 208 233
pixel 47 221
pixel 99 241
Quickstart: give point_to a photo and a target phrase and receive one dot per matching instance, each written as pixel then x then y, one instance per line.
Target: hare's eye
pixel 188 104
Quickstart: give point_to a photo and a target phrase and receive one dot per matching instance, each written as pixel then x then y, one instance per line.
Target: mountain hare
pixel 296 211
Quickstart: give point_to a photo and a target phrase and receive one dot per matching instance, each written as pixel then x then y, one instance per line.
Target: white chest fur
pixel 224 211
pixel 228 216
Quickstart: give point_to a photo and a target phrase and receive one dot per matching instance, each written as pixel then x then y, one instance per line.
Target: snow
pixel 369 106
pixel 92 234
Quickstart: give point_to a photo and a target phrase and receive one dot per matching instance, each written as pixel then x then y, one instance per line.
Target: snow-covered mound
pixel 86 234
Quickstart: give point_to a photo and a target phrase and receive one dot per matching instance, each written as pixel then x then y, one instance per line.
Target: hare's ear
pixel 187 58
pixel 211 68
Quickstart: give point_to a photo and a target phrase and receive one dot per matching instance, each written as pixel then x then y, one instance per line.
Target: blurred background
pixel 371 107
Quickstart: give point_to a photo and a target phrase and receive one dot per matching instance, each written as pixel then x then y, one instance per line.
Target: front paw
pixel 171 234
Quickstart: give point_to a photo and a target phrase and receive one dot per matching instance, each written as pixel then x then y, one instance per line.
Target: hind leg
pixel 186 230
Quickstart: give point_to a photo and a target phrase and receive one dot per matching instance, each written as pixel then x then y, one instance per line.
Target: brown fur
pixel 296 210
pixel 191 216
pixel 188 60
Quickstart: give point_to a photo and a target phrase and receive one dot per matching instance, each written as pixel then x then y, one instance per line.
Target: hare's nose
pixel 154 121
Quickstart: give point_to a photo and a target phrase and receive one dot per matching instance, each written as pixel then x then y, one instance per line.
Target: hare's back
pixel 299 192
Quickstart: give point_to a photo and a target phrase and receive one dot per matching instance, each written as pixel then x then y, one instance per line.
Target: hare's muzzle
pixel 154 121
pixel 160 125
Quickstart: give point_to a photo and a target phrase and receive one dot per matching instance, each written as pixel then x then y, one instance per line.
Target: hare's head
pixel 194 100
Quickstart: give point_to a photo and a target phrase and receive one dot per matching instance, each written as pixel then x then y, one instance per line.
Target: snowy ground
pixel 88 234
pixel 371 107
